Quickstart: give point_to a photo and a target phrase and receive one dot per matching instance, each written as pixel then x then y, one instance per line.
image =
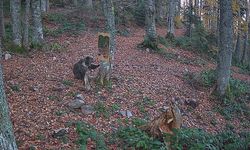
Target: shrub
pixel 134 138
pixel 200 40
pixel 85 132
pixel 198 139
pixel 101 110
pixel 208 78
pixel 65 23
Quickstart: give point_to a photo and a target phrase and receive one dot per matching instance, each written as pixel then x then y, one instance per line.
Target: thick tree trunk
pixel 37 29
pixel 107 62
pixel 110 17
pixel 170 18
pixel 238 49
pixel 15 8
pixel 225 46
pixel 2 30
pixel 44 5
pixel 160 4
pixel 26 24
pixel 7 139
pixel 150 21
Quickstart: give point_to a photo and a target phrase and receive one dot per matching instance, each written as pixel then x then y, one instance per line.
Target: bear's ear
pixel 88 60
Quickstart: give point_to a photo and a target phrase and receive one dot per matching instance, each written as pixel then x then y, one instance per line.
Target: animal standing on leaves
pixel 81 70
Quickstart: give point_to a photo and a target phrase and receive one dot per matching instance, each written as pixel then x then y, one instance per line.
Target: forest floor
pixel 40 85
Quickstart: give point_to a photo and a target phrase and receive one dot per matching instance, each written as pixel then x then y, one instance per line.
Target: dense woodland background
pixel 190 56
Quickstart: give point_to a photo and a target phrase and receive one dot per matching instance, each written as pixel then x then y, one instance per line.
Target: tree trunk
pixel 238 47
pixel 1 52
pixel 75 2
pixel 2 30
pixel 225 46
pixel 89 4
pixel 26 25
pixel 246 50
pixel 214 21
pixel 151 35
pixel 200 7
pixel 190 18
pixel 110 17
pixel 44 5
pixel 196 8
pixel 218 25
pixel 37 29
pixel 107 62
pixel 160 4
pixel 15 8
pixel 7 138
pixel 178 8
pixel 170 18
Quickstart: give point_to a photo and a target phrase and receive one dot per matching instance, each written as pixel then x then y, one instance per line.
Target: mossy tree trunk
pixel 225 46
pixel 170 18
pixel 7 139
pixel 26 24
pixel 37 29
pixel 15 8
pixel 151 36
pixel 2 30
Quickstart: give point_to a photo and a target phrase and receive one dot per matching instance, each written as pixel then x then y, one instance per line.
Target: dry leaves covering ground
pixel 46 84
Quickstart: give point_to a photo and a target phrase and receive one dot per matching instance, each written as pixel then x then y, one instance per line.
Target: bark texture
pixel 225 46
pixel 171 16
pixel 26 24
pixel 161 9
pixel 37 29
pixel 2 31
pixel 15 8
pixel 150 21
pixel 7 139
pixel 44 5
pixel 107 62
pixel 108 8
